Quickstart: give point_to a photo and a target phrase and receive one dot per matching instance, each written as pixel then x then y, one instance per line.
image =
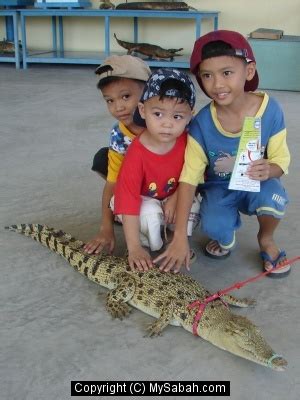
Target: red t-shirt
pixel 144 173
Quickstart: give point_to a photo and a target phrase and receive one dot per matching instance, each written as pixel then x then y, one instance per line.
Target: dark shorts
pixel 100 161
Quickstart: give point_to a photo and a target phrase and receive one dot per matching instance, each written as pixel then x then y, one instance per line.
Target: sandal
pixel 219 253
pixel 280 272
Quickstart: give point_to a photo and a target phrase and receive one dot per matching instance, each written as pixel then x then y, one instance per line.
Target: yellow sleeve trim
pixel 278 152
pixel 114 164
pixel 195 163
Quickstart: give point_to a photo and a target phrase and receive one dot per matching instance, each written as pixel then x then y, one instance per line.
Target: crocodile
pixel 7 46
pixel 163 295
pixel 106 5
pixel 150 50
pixel 155 5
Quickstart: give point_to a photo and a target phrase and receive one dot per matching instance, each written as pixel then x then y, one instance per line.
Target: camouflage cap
pixel 154 85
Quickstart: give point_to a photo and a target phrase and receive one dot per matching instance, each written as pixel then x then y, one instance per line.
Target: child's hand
pixel 139 259
pixel 104 239
pixel 259 170
pixel 176 255
pixel 169 208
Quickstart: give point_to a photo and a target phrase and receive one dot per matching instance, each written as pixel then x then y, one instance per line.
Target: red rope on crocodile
pixel 202 304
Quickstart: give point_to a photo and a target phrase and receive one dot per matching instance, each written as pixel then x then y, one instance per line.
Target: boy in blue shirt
pixel 224 66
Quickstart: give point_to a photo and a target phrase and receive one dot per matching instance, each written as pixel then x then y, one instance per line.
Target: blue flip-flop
pixel 281 272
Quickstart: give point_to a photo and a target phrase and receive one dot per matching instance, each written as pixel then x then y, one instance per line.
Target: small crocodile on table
pixel 165 296
pixel 151 50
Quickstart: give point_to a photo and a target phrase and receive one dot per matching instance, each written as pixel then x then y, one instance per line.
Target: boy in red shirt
pixel 145 195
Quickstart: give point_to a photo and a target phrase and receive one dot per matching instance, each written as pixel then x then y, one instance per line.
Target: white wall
pixel 241 15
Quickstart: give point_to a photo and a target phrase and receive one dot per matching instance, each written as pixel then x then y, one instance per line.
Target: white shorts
pixel 152 219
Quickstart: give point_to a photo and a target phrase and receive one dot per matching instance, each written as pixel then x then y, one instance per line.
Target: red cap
pixel 240 47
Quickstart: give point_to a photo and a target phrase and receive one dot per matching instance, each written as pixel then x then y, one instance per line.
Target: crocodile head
pixel 241 337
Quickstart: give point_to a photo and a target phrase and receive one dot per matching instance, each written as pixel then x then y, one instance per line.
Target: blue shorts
pixel 220 208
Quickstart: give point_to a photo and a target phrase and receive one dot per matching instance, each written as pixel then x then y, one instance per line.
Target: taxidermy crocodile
pixel 6 46
pixel 151 50
pixel 165 296
pixel 155 5
pixel 106 5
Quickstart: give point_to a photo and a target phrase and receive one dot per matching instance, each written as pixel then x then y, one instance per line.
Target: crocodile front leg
pixel 117 298
pixel 165 318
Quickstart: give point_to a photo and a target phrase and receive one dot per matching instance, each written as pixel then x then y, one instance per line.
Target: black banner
pixel 150 388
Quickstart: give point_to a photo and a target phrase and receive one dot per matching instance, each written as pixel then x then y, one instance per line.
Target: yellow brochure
pixel 248 151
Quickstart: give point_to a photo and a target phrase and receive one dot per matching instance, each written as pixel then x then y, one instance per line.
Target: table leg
pixel 16 41
pixel 54 34
pixel 216 23
pixel 61 35
pixel 198 27
pixel 135 30
pixel 107 36
pixel 24 44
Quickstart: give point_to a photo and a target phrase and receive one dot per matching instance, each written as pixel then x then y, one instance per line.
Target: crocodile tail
pixel 56 240
pixel 49 237
pixel 118 40
pixel 70 249
pixel 126 45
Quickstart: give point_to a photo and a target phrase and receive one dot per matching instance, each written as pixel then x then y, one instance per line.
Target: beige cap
pixel 124 67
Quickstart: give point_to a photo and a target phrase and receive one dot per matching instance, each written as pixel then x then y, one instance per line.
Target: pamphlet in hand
pixel 249 150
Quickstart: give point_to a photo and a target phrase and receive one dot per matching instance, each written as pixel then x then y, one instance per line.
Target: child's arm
pixel 178 252
pixel 105 238
pixel 138 257
pixel 169 208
